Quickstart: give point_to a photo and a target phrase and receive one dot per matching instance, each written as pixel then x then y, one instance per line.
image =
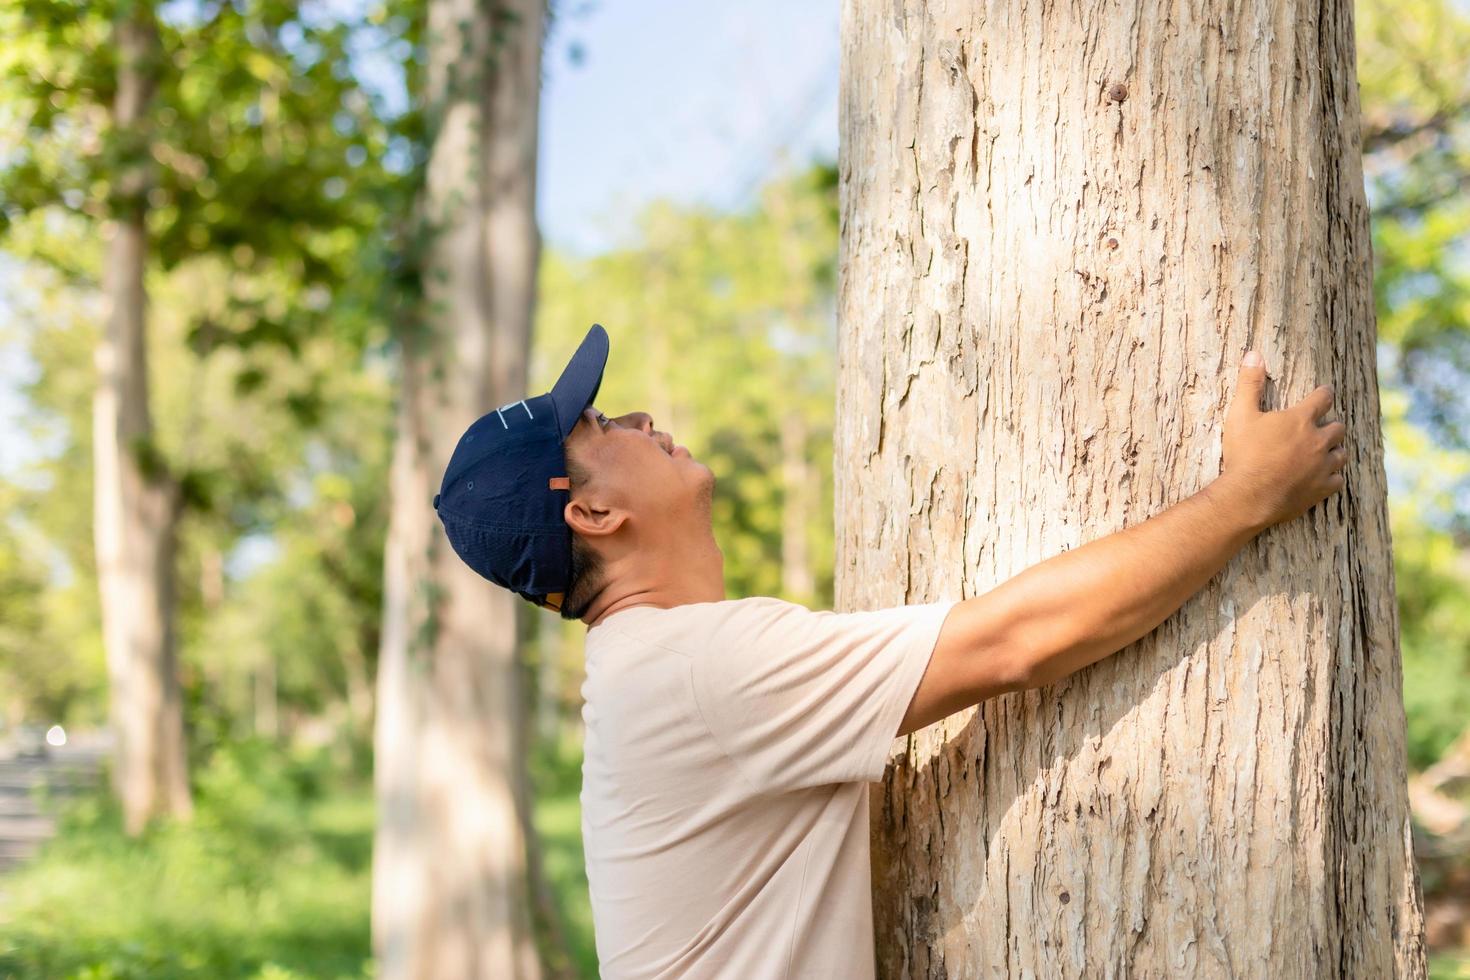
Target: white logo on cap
pixel 500 411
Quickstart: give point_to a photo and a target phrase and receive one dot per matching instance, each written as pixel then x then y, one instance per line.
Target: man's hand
pixel 1082 605
pixel 1278 464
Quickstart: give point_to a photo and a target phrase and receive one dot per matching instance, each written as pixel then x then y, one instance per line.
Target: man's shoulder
pixel 691 628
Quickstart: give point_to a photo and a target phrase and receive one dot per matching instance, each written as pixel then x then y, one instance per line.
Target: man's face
pixel 636 468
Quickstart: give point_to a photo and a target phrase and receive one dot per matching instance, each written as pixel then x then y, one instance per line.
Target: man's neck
pixel 698 575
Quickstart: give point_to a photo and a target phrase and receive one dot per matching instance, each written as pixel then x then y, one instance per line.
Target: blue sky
pixel 686 100
pixel 691 101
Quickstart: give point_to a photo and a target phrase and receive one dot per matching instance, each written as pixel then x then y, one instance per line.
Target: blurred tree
pixel 450 872
pixel 137 501
pixel 1041 315
pixel 181 135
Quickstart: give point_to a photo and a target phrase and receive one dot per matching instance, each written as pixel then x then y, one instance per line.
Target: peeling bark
pixel 450 896
pixel 1060 229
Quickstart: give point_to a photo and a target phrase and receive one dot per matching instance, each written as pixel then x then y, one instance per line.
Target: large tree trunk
pixel 1061 228
pixel 136 503
pixel 450 895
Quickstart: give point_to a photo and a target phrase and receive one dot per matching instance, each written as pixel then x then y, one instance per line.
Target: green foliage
pixel 256 137
pixel 1413 65
pixel 1415 76
pixel 45 660
pixel 311 496
pixel 51 659
pixel 270 881
pixel 1432 569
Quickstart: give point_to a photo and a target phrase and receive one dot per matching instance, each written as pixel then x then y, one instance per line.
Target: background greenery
pixel 272 312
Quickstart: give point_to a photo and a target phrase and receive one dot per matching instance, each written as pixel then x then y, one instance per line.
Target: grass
pixel 269 881
pixel 1450 965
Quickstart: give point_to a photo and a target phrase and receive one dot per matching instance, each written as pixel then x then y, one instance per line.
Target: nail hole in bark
pixel 1117 91
pixel 1066 898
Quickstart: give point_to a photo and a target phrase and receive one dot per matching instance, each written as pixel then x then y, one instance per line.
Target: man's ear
pixel 591 520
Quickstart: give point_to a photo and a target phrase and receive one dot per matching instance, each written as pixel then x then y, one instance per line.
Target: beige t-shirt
pixel 729 747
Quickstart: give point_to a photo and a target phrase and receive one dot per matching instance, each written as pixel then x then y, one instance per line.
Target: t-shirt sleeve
pixel 798 698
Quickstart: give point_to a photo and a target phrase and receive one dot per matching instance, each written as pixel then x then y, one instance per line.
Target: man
pixel 730 742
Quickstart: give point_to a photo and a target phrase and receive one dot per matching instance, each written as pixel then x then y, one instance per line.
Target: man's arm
pixel 1072 610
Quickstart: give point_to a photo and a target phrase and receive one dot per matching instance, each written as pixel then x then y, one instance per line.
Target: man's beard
pixel 705 495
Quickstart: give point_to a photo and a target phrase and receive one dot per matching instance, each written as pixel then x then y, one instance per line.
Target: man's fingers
pixel 1335 433
pixel 1252 385
pixel 1338 457
pixel 1318 402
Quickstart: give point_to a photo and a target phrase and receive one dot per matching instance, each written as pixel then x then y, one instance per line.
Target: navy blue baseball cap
pixel 506 484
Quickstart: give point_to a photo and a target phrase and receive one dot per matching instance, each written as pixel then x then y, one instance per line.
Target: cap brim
pixel 580 379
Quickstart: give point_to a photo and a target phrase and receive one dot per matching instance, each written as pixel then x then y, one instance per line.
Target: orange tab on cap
pixel 560 483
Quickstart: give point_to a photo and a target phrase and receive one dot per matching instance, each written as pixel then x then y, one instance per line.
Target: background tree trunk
pixel 136 502
pixel 450 896
pixel 1061 228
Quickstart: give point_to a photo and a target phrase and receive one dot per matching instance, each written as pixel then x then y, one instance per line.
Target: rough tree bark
pixel 1061 226
pixel 135 500
pixel 450 896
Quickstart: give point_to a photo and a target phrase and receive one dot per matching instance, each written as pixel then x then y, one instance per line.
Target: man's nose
pixel 641 420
